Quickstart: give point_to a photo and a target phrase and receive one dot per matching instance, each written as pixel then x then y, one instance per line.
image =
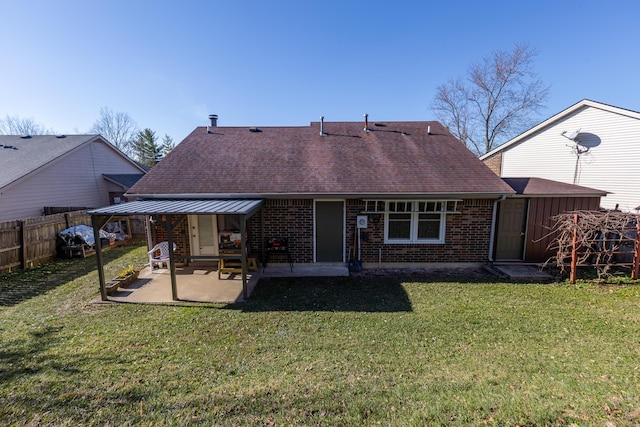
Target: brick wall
pixel 494 163
pixel 290 219
pixel 180 235
pixel 466 236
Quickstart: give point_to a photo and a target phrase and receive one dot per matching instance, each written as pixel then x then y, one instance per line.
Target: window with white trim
pixel 415 221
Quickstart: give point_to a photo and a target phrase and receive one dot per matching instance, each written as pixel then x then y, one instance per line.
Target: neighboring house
pixel 590 144
pixel 37 172
pixel 121 183
pixel 423 197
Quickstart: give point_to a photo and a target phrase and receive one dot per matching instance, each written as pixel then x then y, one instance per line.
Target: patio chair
pixel 162 258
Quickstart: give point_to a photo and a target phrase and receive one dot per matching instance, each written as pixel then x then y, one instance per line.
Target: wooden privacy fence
pixel 32 241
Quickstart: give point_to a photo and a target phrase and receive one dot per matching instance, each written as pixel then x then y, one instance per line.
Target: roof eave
pixel 543 195
pixel 113 181
pixel 558 116
pixel 407 195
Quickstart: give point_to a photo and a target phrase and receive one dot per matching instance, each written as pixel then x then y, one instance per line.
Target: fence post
pixel 636 252
pixel 23 245
pixel 574 250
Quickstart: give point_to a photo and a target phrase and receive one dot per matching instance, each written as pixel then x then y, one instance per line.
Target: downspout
pixel 494 214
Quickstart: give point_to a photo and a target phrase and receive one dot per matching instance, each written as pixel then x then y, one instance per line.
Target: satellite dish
pixel 573 135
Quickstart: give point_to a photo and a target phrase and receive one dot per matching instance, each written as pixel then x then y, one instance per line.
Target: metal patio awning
pixel 182 207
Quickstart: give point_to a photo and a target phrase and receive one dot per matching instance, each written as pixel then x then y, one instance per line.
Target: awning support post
pixel 97 225
pixel 98 246
pixel 172 266
pixel 243 257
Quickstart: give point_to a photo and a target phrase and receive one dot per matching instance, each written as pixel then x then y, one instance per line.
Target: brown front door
pixel 511 229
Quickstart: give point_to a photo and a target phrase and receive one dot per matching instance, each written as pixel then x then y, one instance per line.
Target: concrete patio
pixel 200 283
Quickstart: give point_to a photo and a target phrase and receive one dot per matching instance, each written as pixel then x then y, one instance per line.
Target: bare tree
pixel 118 128
pixel 601 240
pixel 14 125
pixel 495 101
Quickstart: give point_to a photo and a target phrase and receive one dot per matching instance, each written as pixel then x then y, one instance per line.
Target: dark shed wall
pixel 541 212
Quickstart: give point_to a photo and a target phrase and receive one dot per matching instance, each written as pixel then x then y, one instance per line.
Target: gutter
pixel 492 236
pixel 387 196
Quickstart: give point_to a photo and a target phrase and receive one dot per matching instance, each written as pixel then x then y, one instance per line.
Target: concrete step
pixel 520 272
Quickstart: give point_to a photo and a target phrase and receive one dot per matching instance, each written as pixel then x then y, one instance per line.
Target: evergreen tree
pixel 167 145
pixel 146 149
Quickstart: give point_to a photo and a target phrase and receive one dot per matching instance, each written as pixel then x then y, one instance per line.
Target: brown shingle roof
pixel 392 158
pixel 547 187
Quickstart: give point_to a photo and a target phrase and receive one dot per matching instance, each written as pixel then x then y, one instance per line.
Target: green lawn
pixel 338 351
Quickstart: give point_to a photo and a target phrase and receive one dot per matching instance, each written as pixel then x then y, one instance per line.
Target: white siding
pixel 74 180
pixel 611 166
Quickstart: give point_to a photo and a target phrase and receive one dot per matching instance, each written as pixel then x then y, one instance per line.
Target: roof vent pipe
pixel 428 130
pixel 214 120
pixel 322 125
pixel 366 123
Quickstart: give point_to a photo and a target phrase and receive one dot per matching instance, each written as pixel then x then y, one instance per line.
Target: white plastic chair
pixel 162 258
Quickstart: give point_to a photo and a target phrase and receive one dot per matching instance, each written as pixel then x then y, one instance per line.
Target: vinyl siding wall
pixel 73 180
pixel 612 165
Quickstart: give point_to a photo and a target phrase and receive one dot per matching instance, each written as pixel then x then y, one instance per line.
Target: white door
pixel 204 235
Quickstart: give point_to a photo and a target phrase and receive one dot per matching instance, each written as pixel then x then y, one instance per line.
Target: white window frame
pixel 412 208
